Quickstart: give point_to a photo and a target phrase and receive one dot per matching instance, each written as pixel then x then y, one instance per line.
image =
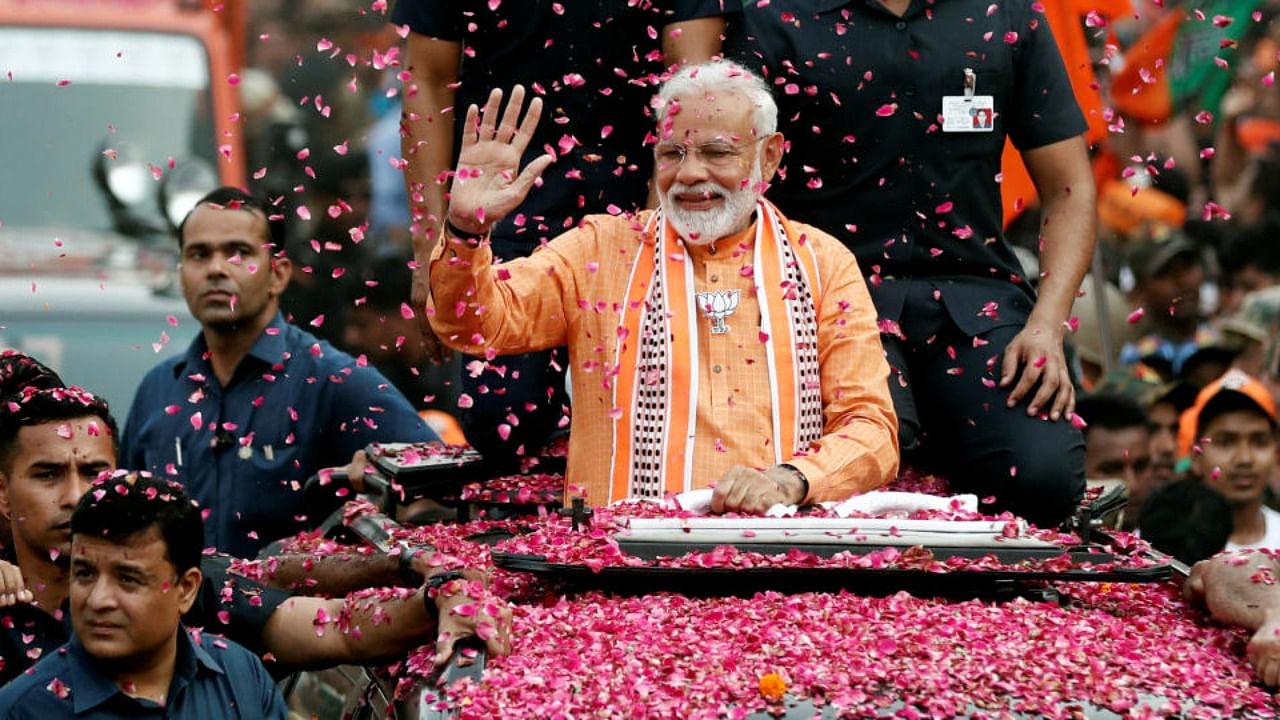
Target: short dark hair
pixel 19 370
pixel 32 394
pixel 1174 182
pixel 1186 519
pixel 1111 412
pixel 236 199
pixel 122 505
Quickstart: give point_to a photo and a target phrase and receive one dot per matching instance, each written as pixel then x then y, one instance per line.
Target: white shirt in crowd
pixel 1270 538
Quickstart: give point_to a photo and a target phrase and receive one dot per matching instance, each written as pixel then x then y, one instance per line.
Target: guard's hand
pixel 488 182
pixel 1035 357
pixel 356 469
pixel 437 352
pixel 745 490
pixel 467 608
pixel 1263 652
pixel 13 589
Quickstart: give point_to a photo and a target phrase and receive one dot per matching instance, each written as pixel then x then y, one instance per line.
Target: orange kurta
pixel 569 293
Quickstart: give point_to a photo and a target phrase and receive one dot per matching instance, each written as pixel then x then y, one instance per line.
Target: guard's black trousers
pixel 954 424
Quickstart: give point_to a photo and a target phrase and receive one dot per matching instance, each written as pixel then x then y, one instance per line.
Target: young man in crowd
pixel 1250 262
pixel 55 440
pixel 256 405
pixel 136 544
pixel 1118 445
pixel 1230 435
pixel 1163 413
pixel 1168 272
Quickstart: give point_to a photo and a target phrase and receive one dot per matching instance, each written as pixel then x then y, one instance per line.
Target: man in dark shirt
pixel 55 440
pixel 1118 445
pixel 898 112
pixel 596 65
pixel 256 405
pixel 135 555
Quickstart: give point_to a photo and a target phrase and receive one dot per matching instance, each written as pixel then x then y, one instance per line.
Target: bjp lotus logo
pixel 718 305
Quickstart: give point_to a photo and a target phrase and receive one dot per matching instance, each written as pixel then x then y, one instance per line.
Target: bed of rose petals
pixel 534 489
pixel 1136 650
pixel 1132 649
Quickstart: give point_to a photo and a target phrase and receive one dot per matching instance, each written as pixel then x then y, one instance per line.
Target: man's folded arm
pixel 314 632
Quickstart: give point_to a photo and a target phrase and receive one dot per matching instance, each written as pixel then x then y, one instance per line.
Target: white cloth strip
pixel 837 525
pixel 904 538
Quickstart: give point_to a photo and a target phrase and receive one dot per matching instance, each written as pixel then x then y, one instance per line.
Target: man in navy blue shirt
pixel 255 406
pixel 136 544
pixel 54 442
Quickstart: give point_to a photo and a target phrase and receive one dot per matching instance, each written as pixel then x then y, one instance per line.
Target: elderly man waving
pixel 711 341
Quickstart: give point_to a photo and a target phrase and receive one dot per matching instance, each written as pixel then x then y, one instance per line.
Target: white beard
pixel 703 227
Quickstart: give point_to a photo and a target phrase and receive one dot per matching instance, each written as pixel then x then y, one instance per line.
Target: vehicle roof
pixel 102 335
pixel 54 298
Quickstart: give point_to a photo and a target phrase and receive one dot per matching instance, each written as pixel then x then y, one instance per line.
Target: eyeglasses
pixel 718 155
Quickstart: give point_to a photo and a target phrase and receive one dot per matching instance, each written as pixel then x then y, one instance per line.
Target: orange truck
pixel 116 95
pixel 115 116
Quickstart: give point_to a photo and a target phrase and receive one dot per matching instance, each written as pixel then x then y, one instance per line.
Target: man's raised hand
pixel 488 182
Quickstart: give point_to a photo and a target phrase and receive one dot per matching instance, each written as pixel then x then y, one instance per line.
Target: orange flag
pixel 1141 89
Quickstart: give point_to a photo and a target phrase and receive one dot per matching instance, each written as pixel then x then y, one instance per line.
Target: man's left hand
pixel 1037 351
pixel 745 490
pixel 468 608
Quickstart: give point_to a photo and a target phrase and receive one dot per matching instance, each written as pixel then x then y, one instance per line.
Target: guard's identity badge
pixel 970 112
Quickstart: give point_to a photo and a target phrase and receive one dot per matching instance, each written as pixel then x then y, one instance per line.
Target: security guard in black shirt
pixel 899 110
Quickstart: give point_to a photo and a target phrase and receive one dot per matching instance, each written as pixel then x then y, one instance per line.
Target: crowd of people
pixel 760 249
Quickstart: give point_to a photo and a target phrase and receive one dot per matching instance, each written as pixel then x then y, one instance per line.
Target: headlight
pixel 129 182
pixel 183 186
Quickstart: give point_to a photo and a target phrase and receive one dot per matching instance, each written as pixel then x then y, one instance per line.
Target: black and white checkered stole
pixel 659 423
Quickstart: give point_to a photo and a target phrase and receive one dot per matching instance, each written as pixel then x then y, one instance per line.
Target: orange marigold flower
pixel 773 687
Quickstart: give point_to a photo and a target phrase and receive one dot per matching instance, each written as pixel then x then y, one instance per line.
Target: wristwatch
pixel 804 481
pixel 431 589
pixel 409 553
pixel 434 582
pixel 472 239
